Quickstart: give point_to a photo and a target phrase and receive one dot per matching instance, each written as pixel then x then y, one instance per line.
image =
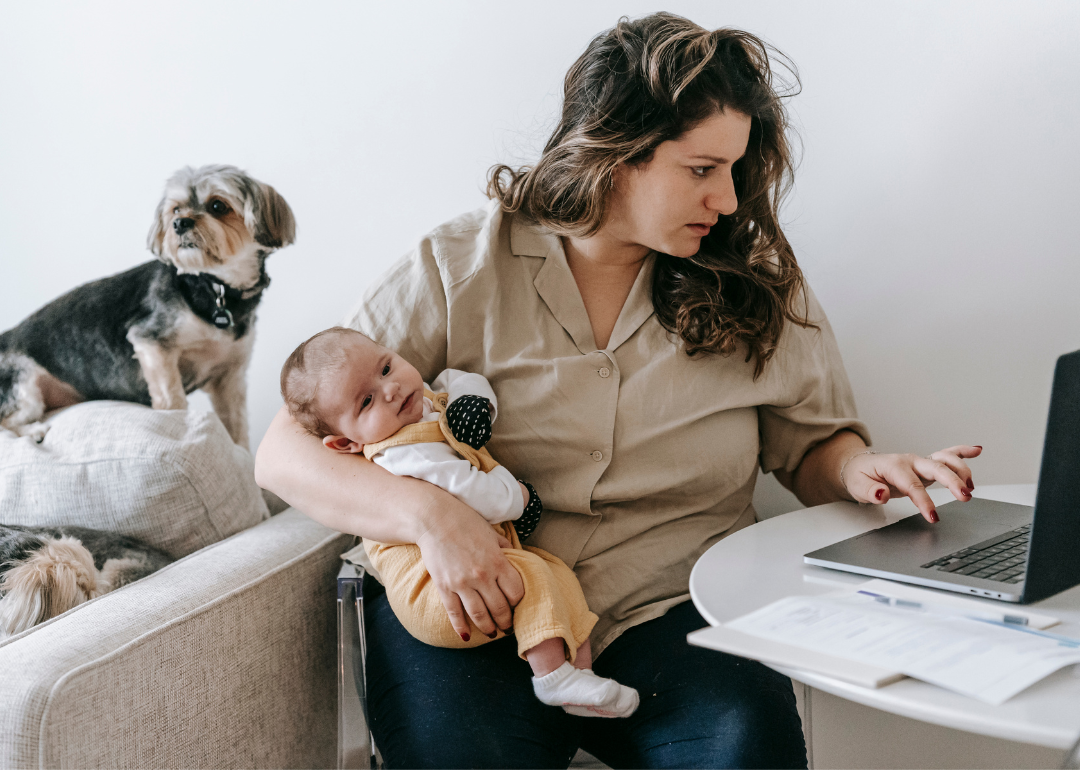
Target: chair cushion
pixel 173 479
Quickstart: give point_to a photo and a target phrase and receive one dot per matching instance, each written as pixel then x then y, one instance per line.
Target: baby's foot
pixel 582 693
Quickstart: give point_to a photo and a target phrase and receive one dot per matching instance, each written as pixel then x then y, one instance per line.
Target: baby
pixel 361 398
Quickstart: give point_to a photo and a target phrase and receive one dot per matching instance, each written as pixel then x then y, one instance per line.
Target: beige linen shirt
pixel 643 456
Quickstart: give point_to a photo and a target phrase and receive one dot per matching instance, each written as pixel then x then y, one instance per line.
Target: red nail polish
pixel 879 494
pixel 492 635
pixel 465 637
pixel 934 517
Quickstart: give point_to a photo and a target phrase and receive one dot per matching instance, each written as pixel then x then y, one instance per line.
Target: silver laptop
pixel 1014 553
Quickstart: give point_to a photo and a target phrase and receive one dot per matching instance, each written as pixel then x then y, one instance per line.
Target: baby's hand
pixel 530 517
pixel 469 418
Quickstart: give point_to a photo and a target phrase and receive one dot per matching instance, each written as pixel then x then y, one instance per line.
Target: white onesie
pixel 495 495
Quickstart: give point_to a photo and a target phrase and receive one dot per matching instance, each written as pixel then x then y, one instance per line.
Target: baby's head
pixel 350 391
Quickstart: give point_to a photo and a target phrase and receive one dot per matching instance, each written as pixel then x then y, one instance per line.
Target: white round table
pixel 763 563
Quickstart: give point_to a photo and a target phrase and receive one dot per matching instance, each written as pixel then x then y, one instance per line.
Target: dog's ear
pixel 270 218
pixel 155 239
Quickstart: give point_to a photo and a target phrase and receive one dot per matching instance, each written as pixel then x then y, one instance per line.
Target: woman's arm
pixel 343 492
pixel 461 551
pixel 869 477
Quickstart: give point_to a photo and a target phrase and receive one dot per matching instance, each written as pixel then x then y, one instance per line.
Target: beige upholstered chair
pixel 225 658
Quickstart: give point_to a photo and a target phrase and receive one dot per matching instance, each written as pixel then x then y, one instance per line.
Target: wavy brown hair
pixel 648 81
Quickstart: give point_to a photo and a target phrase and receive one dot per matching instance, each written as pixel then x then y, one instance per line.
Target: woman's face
pixel 669 203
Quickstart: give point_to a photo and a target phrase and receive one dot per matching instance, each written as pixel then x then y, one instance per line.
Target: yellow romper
pixel 553 604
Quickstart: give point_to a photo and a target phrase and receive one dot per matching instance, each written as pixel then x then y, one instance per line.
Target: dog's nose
pixel 183 224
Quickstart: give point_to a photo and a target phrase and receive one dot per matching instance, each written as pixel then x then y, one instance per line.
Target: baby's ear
pixel 342 444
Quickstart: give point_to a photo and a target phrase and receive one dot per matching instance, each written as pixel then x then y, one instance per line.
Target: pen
pixel 1064 641
pixel 907 604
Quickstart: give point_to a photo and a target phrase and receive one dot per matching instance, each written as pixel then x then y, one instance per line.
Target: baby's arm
pixel 497 495
pixel 456 383
pixel 474 428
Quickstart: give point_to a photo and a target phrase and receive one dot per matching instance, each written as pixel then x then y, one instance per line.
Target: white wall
pixel 934 211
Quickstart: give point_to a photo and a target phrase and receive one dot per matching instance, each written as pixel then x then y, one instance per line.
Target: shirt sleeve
pixel 810 396
pixel 494 495
pixel 456 383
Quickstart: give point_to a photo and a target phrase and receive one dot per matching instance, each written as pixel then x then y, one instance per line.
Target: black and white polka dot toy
pixel 469 418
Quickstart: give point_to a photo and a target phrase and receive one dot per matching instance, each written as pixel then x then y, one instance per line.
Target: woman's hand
pixel 876 478
pixel 475 580
pixel 843 468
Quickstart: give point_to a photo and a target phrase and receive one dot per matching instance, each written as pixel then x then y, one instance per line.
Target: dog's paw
pixel 35 431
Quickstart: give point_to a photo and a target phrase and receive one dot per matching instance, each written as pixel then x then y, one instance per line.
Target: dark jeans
pixel 433 707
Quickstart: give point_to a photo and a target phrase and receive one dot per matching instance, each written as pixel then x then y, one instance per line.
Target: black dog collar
pixel 218 303
pixel 215 301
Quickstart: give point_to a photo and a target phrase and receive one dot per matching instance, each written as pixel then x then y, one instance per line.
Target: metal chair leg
pixel 356 746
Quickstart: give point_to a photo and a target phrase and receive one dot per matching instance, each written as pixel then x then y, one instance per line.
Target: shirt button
pixel 605 372
pixel 597 455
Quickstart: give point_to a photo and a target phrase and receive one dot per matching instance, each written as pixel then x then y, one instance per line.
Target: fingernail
pixel 509 630
pixel 465 637
pixel 977 446
pixel 934 517
pixel 879 494
pixel 492 635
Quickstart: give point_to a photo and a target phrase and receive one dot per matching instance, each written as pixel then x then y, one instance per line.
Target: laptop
pixel 1004 551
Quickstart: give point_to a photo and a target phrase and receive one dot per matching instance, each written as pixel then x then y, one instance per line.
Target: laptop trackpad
pixel 912 542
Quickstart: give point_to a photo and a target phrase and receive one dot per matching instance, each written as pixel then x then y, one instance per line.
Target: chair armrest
pixel 225 658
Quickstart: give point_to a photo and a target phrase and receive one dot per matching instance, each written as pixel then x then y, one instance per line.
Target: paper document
pixel 773 653
pixel 983 659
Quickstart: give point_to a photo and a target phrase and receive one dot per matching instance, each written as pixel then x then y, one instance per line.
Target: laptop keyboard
pixel 1002 558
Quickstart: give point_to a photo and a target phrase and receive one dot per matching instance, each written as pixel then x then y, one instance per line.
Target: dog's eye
pixel 386 370
pixel 217 208
pixel 176 210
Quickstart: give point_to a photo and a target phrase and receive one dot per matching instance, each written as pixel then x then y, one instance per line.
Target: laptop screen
pixel 1053 561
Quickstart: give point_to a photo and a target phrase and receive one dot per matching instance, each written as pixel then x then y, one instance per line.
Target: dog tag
pixel 222 318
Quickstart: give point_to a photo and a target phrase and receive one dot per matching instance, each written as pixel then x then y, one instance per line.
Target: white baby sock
pixel 584 694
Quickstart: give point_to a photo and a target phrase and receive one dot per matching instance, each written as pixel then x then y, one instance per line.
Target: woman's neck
pixel 605 271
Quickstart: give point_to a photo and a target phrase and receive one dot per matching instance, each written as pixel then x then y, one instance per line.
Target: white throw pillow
pixel 173 479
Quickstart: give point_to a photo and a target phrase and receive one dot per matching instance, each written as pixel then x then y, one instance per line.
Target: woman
pixel 648 333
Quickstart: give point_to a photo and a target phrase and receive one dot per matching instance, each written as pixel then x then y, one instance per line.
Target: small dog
pixel 45 571
pixel 157 332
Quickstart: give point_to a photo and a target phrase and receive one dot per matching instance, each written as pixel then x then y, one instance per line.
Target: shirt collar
pixel 556 286
pixel 531 240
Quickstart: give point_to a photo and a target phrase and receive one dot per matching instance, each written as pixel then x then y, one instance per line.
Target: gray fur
pixel 19 543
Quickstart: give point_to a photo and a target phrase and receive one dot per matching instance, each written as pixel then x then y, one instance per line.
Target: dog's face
pixel 218 220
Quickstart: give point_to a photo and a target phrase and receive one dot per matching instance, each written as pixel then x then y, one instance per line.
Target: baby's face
pixel 371 396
